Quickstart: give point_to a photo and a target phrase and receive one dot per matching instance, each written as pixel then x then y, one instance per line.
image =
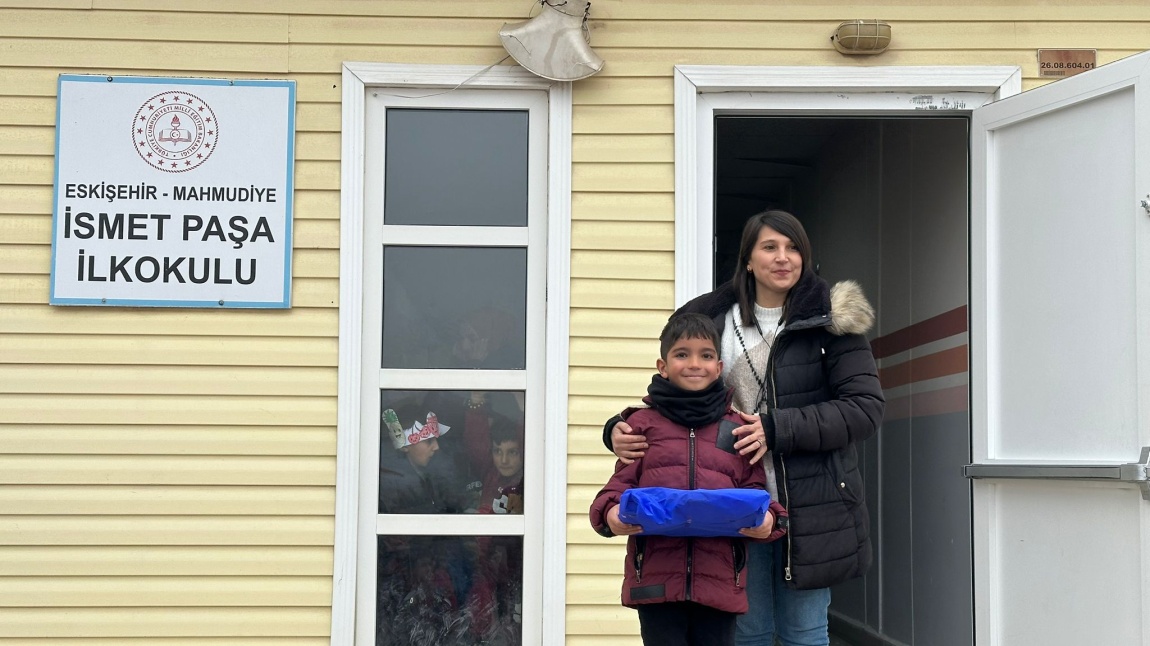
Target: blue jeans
pixel 796 617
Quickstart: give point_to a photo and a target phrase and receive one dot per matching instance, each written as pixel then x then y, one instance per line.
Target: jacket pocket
pixel 637 559
pixel 739 560
pixel 850 489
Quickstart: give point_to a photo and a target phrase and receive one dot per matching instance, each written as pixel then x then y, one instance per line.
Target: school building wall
pixel 167 476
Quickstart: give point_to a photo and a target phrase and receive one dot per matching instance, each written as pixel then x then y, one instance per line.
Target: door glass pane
pixel 448 590
pixel 454 307
pixel 456 167
pixel 451 452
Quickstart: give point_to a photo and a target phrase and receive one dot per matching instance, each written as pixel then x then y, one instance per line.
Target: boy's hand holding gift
pixel 618 527
pixel 763 530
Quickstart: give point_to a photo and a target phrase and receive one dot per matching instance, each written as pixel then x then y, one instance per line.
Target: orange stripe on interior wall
pixel 932 329
pixel 931 366
pixel 935 402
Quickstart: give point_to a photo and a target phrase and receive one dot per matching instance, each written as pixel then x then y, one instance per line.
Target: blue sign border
pixel 289 217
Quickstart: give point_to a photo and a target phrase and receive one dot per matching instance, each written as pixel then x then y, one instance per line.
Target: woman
pixel 795 355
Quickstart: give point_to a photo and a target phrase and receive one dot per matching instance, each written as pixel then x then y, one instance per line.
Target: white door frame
pixel 357 77
pixel 702 90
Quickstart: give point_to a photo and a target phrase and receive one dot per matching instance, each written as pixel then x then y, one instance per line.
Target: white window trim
pixel 701 90
pixel 356 78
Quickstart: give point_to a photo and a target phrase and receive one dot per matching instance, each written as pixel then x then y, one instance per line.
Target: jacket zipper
pixel 739 564
pixel 782 462
pixel 690 541
pixel 640 547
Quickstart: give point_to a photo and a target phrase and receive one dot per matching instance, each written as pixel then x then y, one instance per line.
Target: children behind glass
pixel 686 590
pixel 497 596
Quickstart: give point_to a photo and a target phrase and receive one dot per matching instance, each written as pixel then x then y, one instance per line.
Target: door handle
pixel 1136 472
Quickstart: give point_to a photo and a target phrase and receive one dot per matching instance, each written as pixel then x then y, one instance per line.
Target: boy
pixel 503 486
pixel 497 597
pixel 686 590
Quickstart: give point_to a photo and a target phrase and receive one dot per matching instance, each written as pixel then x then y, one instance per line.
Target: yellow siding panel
pixel 594 589
pixel 622 294
pixel 594 411
pixel 88 56
pixel 118 320
pixel 317 204
pixel 601 323
pixel 258 560
pixel 151 591
pixel 621 264
pixel 371 30
pixel 327 58
pixel 624 236
pixel 166 470
pixel 62 500
pixel 616 178
pixel 27 140
pixel 616 149
pixel 170 350
pixel 164 530
pixel 624 119
pixel 163 622
pixel 162 409
pixel 611 206
pixel 165 380
pixel 170 439
pixel 25 200
pixel 603 558
pixel 134 25
pixel 610 381
pixel 592 470
pixel 606 90
pixel 25 229
pixel 602 619
pixel 619 353
pixel 170 641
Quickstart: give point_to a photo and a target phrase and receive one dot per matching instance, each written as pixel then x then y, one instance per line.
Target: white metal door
pixel 1060 361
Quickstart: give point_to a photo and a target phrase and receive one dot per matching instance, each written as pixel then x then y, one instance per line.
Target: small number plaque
pixel 1060 63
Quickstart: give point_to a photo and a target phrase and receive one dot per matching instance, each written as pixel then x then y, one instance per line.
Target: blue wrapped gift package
pixel 693 512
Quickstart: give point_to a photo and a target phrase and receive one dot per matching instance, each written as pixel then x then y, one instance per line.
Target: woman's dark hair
pixel 743 280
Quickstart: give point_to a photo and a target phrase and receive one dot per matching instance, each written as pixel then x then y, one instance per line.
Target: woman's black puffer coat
pixel 825 397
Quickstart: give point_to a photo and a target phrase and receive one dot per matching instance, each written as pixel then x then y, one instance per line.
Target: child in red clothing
pixel 503 486
pixel 498 592
pixel 686 590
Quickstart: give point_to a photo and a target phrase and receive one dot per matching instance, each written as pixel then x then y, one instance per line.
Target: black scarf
pixel 690 408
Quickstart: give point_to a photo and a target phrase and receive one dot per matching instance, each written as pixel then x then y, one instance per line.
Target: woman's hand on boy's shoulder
pixel 618 527
pixel 763 530
pixel 627 445
pixel 752 439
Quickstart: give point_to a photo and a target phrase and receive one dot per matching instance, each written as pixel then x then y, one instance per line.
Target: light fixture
pixel 554 43
pixel 861 37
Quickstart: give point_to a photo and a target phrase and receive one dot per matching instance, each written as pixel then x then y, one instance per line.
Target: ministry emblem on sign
pixel 175 131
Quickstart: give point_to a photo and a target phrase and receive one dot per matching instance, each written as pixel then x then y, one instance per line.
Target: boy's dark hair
pixel 505 430
pixel 688 325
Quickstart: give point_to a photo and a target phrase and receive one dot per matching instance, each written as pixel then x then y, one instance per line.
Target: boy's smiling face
pixel 691 364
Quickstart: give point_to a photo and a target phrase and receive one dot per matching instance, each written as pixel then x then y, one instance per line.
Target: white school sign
pixel 173 192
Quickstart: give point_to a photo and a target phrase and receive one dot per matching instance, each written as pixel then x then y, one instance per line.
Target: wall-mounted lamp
pixel 554 43
pixel 860 37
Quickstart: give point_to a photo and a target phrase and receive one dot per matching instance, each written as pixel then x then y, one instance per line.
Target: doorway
pixel 885 200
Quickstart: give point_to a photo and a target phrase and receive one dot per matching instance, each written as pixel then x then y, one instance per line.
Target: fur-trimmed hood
pixel 851 312
pixel 842 309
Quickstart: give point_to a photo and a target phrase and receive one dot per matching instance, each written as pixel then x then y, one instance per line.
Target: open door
pixel 1060 361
